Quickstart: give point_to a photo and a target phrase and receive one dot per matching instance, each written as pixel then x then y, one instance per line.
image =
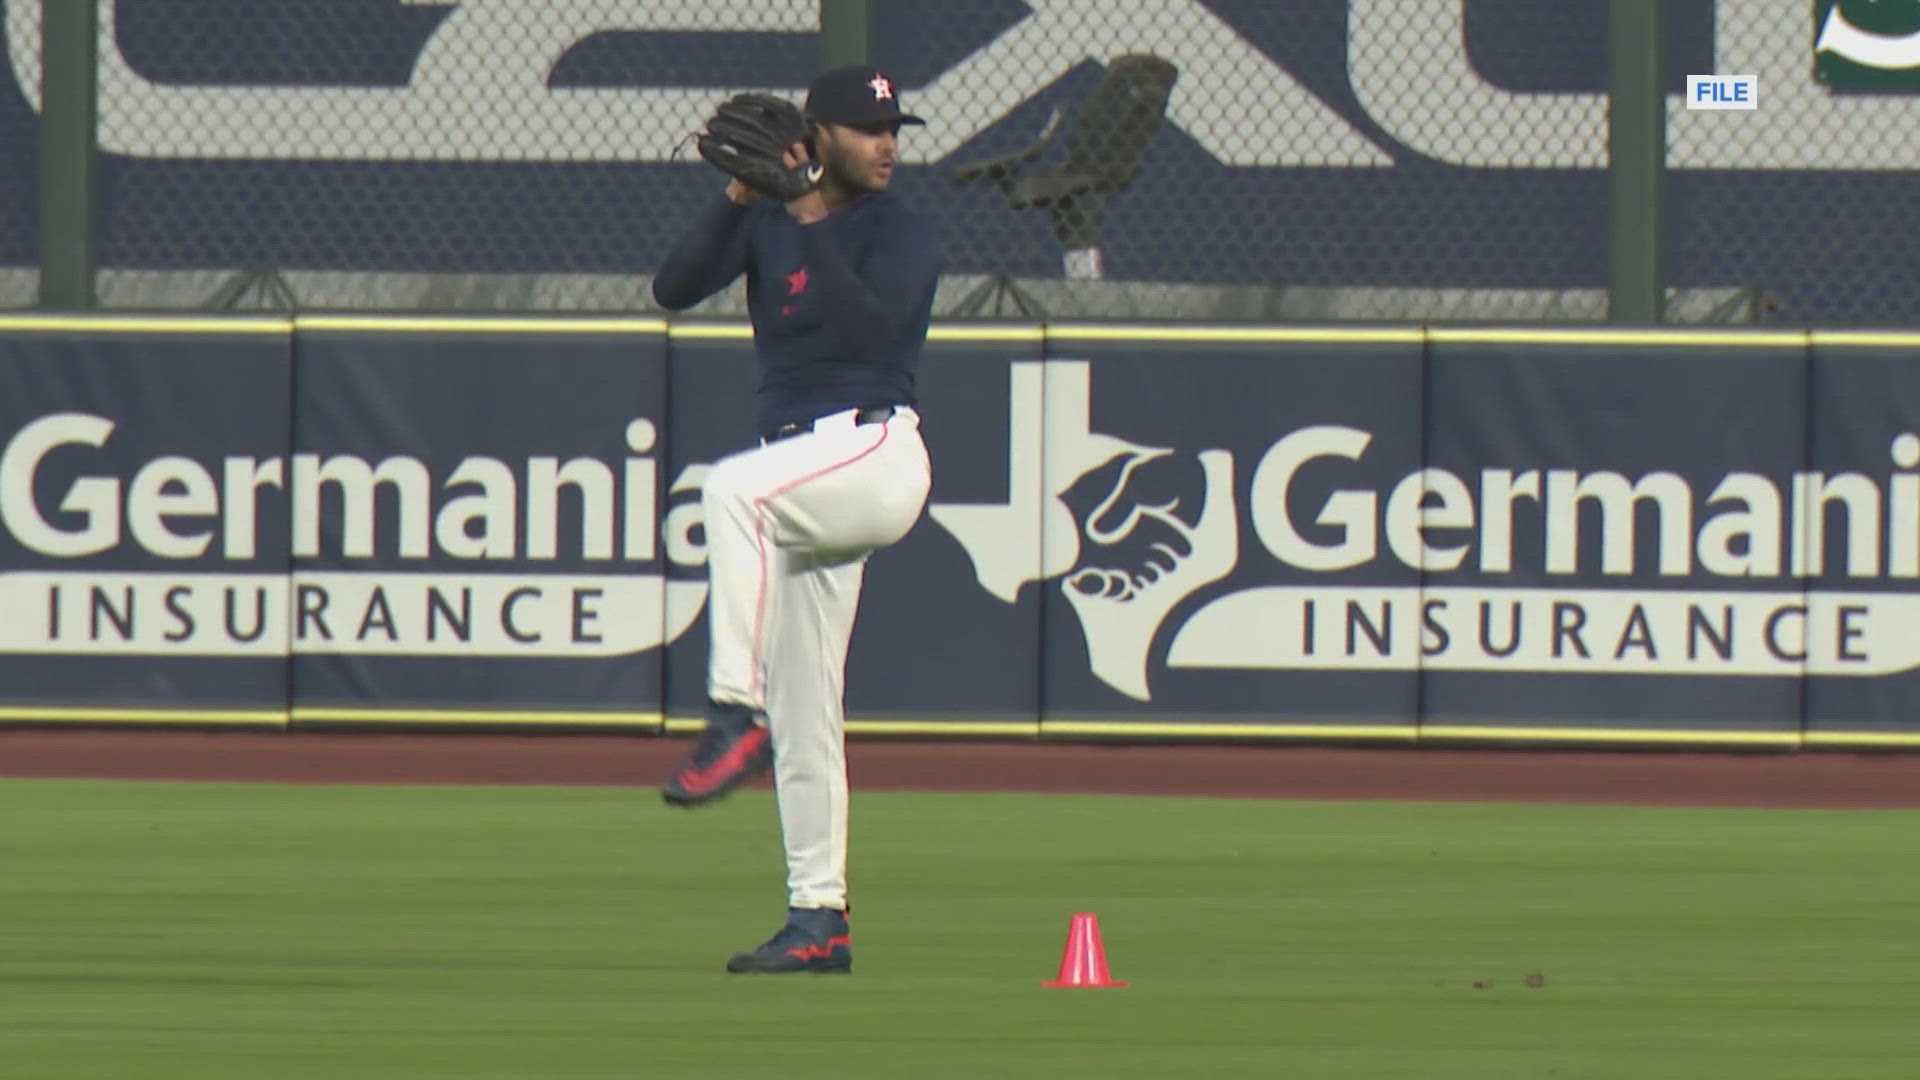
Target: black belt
pixel 873 414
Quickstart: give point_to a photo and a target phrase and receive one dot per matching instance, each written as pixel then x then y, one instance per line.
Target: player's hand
pixel 740 193
pixel 812 206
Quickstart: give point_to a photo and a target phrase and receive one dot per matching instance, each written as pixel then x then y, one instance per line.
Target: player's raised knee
pixel 725 483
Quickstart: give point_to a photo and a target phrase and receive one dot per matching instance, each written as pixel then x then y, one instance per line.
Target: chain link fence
pixel 1180 159
pixel 19 163
pixel 1809 204
pixel 372 154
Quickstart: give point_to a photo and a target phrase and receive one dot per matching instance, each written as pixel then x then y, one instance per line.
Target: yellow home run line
pixel 1020 729
pixel 147 324
pixel 1905 340
pixel 1610 735
pixel 723 330
pixel 958 331
pixel 1862 738
pixel 553 717
pixel 961 332
pixel 88 715
pixel 739 331
pixel 1544 336
pixel 1201 729
pixel 1411 335
pixel 478 324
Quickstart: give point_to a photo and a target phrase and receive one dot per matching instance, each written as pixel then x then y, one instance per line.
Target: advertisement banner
pixel 1863 518
pixel 476 528
pixel 1867 46
pixel 143 539
pixel 1340 534
pixel 1614 551
pixel 1203 568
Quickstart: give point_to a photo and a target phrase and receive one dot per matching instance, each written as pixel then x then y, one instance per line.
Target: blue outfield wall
pixel 131 587
pixel 1382 534
pixel 524 574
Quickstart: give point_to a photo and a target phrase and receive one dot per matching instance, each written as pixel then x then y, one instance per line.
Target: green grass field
pixel 201 931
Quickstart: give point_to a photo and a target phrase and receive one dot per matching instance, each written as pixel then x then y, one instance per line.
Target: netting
pixel 1210 159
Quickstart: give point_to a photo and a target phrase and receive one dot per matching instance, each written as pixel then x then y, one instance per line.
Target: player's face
pixel 861 158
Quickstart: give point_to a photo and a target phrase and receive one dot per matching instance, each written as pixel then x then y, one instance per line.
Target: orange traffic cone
pixel 1084 963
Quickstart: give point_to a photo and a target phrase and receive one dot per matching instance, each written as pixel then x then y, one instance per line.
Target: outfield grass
pixel 207 931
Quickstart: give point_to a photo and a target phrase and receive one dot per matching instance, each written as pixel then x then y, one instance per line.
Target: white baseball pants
pixel 789 526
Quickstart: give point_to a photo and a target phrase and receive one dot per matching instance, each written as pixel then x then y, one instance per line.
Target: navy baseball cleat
pixel 732 751
pixel 814 939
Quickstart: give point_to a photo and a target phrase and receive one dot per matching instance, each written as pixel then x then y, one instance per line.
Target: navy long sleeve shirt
pixel 839 307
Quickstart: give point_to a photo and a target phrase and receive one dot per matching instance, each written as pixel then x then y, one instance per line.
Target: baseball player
pixel 840 283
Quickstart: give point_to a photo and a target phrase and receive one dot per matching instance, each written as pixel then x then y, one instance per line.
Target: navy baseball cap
pixel 856 96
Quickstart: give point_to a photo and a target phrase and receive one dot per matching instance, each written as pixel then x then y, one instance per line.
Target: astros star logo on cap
pixel 882 89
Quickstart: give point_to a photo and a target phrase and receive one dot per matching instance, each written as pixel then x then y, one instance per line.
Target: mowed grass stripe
pixel 214 931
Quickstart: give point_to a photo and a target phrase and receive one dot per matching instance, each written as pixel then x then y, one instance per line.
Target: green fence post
pixel 67 146
pixel 1636 157
pixel 846 33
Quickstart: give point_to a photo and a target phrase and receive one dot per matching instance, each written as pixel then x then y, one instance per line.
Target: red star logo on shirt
pixel 882 89
pixel 796 284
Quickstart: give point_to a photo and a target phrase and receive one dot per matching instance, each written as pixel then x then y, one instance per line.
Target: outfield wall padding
pixel 1383 534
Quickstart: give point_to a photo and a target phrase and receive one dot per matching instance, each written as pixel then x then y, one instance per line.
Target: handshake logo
pixel 1728 582
pixel 1128 530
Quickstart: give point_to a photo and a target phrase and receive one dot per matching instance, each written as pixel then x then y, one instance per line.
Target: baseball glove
pixel 746 137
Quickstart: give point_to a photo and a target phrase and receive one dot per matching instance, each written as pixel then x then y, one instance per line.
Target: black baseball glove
pixel 746 137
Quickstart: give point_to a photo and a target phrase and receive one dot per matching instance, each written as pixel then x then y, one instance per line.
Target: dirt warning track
pixel 1811 780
